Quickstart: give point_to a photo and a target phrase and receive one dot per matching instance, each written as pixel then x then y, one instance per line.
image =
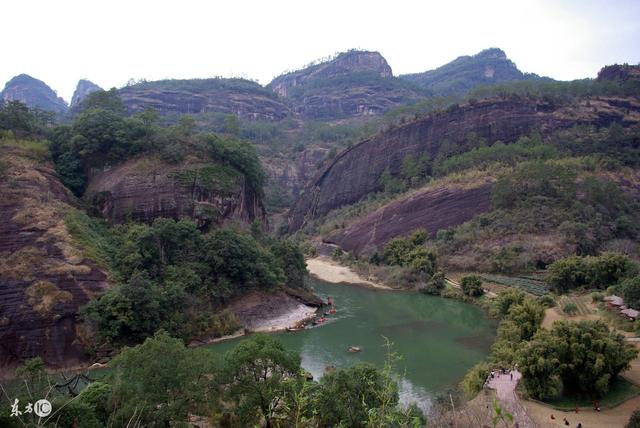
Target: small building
pixel 614 301
pixel 632 314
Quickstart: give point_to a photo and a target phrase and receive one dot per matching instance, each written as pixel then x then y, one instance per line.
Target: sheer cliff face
pixel 44 276
pixel 148 188
pixel 356 172
pixel 33 93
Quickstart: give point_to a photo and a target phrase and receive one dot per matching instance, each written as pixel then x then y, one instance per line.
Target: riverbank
pixel 327 270
pixel 261 311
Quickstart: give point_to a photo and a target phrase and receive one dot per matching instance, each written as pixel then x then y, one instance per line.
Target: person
pixel 511 374
pixel 492 374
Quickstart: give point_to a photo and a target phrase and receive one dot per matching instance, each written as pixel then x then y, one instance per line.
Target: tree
pixel 634 420
pixel 104 100
pixel 631 292
pixel 472 285
pixel 255 373
pixel 345 395
pixel 157 380
pixel 567 273
pixel 575 357
pixel 506 299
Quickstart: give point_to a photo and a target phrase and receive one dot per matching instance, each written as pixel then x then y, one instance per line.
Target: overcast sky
pixel 109 42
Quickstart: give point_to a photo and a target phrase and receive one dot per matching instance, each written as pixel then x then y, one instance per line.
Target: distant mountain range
pixel 352 84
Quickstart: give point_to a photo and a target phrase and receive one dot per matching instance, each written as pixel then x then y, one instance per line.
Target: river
pixel 437 339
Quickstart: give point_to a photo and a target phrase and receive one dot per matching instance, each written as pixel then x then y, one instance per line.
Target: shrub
pixel 435 284
pixel 570 308
pixel 547 301
pixel 634 420
pixel 473 381
pixel 472 286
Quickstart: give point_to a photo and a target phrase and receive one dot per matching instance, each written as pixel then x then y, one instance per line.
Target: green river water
pixel 438 339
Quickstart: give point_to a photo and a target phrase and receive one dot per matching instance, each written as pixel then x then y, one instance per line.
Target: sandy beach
pixel 327 270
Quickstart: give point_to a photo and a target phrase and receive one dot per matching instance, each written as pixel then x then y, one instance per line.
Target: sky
pixel 110 42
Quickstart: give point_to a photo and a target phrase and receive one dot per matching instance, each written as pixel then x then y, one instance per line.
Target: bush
pixel 473 381
pixel 570 308
pixel 472 286
pixel 634 420
pixel 597 297
pixel 630 290
pixel 435 284
pixel 547 301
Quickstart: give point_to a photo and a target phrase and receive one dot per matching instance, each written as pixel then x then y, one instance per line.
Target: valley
pixel 461 221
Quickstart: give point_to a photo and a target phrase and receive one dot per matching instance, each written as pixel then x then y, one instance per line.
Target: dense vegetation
pixel 580 358
pixel 590 271
pixel 573 358
pixel 101 135
pixel 173 276
pixel 161 383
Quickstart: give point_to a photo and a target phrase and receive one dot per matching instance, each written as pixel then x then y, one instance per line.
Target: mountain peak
pixel 34 93
pixel 83 88
pixel 491 53
pixel 344 63
pixel 466 72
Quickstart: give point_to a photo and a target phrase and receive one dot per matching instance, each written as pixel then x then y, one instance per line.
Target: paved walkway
pixel 505 390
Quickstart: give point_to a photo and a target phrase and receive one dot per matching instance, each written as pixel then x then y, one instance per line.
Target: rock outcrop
pixel 147 188
pixel 353 84
pixel 244 98
pixel 617 72
pixel 356 172
pixel 488 67
pixel 433 209
pixel 33 93
pixel 84 88
pixel 44 275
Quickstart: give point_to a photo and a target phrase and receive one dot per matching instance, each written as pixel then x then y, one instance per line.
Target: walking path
pixel 505 387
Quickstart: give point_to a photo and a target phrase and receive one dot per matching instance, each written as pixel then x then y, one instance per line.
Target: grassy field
pixel 528 283
pixel 620 391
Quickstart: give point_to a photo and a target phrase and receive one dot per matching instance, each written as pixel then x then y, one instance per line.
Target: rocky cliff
pixel 84 88
pixel 354 83
pixel 33 93
pixel 356 172
pixel 488 67
pixel 244 98
pixel 146 188
pixel 624 72
pixel 433 208
pixel 44 275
